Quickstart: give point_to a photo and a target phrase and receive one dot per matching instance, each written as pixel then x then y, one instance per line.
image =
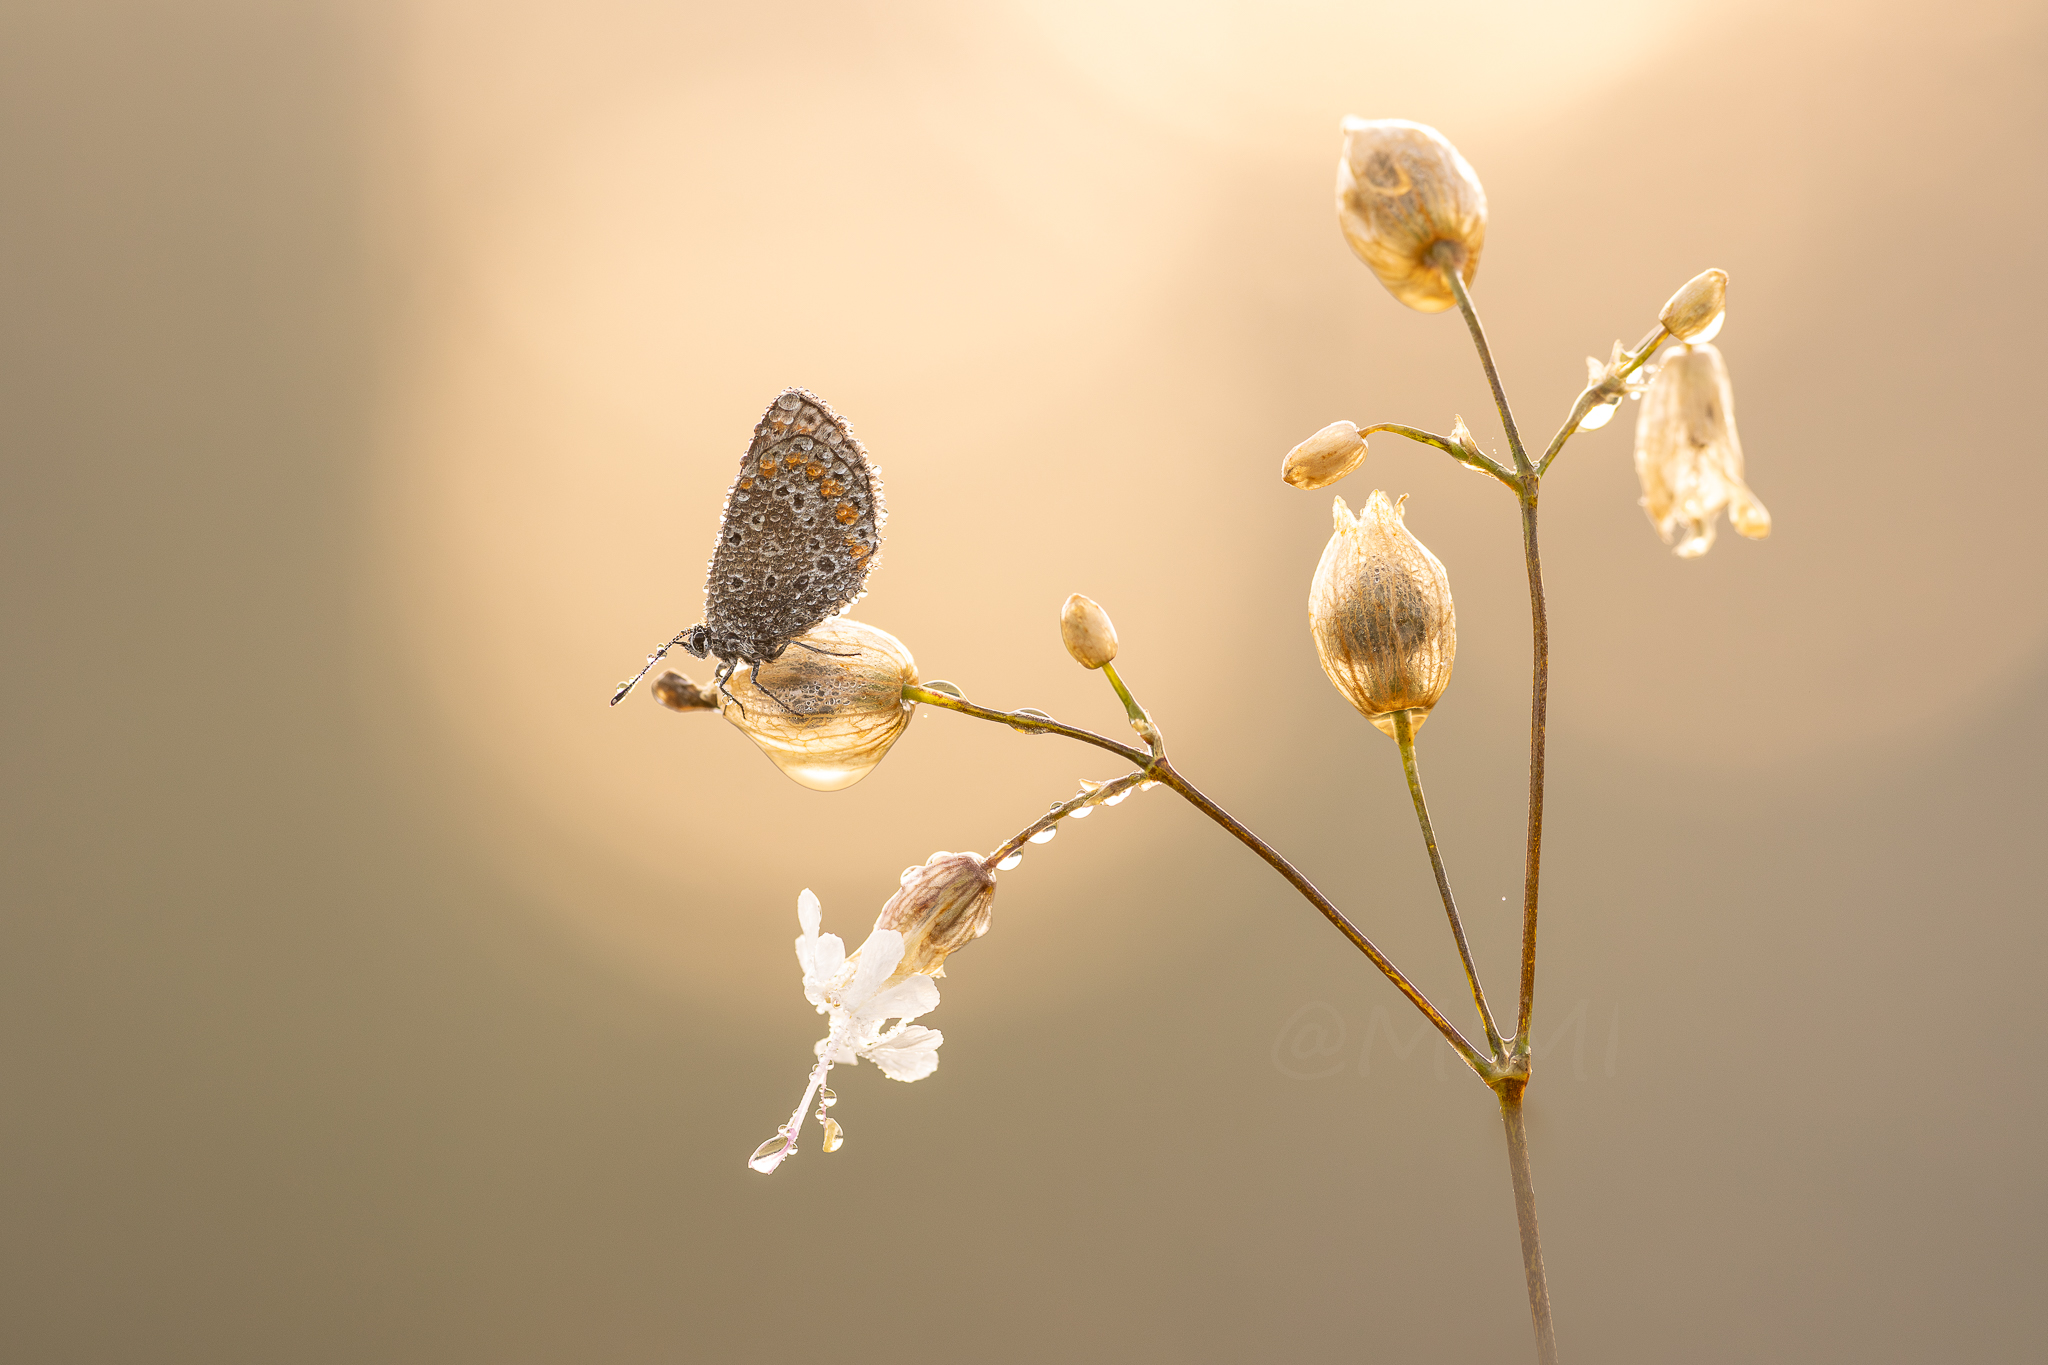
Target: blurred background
pixel 373 376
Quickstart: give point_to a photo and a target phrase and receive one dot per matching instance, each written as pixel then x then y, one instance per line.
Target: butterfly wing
pixel 802 529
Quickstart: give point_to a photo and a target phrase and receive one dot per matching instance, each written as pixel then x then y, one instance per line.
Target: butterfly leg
pixel 833 654
pixel 718 677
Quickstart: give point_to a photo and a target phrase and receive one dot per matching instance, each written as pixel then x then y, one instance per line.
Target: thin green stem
pixel 1525 1216
pixel 1476 459
pixel 1593 394
pixel 1404 735
pixel 1456 281
pixel 1095 796
pixel 1018 721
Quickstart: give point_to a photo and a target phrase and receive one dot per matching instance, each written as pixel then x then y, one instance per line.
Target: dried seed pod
pixel 1381 613
pixel 1689 457
pixel 1696 311
pixel 1402 188
pixel 1325 457
pixel 941 908
pixel 1087 632
pixel 825 715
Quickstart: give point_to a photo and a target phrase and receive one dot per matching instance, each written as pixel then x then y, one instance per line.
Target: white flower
pixel 853 992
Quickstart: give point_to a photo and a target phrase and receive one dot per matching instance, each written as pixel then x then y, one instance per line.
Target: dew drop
pixel 1112 800
pixel 1006 864
pixel 1081 812
pixel 769 1154
pixel 1597 418
pixel 826 1097
pixel 1045 836
pixel 834 1137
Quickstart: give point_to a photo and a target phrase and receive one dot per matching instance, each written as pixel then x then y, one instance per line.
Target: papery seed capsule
pixel 1325 457
pixel 1696 311
pixel 1688 456
pixel 941 907
pixel 1381 613
pixel 1401 189
pixel 1087 632
pixel 827 713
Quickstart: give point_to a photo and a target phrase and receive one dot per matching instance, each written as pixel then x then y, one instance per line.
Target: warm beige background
pixel 372 378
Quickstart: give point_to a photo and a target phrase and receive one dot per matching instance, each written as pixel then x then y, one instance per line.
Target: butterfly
pixel 801 531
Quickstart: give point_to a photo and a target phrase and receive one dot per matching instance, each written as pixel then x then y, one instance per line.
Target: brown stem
pixel 1165 773
pixel 1539 704
pixel 1525 1215
pixel 1159 770
pixel 1404 735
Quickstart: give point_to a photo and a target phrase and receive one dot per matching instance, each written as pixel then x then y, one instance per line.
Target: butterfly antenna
pixel 652 660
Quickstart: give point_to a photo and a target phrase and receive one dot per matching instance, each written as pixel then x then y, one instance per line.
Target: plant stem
pixel 1539 705
pixel 1500 395
pixel 1525 1215
pixel 1404 734
pixel 1475 459
pixel 1158 769
pixel 1593 392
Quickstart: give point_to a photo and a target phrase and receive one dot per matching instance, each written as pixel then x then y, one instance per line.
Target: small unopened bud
pixel 1461 436
pixel 1689 457
pixel 1380 610
pixel 679 693
pixel 942 907
pixel 826 714
pixel 1087 632
pixel 1696 311
pixel 1402 189
pixel 1325 457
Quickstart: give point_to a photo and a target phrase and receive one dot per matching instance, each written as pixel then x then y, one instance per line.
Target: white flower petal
pixel 907 999
pixel 808 912
pixel 908 1054
pixel 878 959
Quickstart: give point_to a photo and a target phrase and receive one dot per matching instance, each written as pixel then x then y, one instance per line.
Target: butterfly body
pixel 801 531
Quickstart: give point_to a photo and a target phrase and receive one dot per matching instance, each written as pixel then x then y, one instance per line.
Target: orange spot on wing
pixel 831 488
pixel 768 467
pixel 845 514
pixel 812 471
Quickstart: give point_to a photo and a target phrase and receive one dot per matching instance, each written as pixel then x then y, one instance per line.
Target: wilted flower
pixel 941 908
pixel 826 714
pixel 872 996
pixel 1087 632
pixel 1325 457
pixel 1695 313
pixel 1401 189
pixel 1380 609
pixel 1688 456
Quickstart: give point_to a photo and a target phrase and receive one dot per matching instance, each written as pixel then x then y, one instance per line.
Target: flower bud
pixel 1380 610
pixel 1325 457
pixel 679 693
pixel 1401 189
pixel 826 715
pixel 1087 632
pixel 1688 456
pixel 1696 311
pixel 942 907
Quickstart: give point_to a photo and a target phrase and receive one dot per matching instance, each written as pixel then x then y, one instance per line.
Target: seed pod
pixel 942 907
pixel 1696 311
pixel 1401 189
pixel 1381 613
pixel 836 707
pixel 1087 632
pixel 1325 457
pixel 1689 457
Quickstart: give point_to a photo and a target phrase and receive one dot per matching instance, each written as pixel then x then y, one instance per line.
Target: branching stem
pixel 1158 769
